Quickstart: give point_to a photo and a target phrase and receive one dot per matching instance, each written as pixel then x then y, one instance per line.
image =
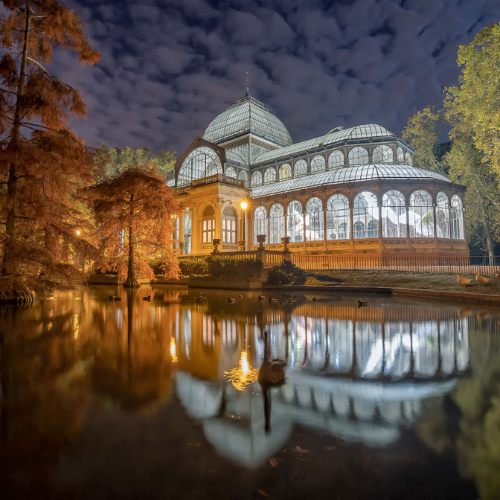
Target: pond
pixel 197 394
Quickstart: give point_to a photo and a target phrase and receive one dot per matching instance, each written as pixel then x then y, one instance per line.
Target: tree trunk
pixel 487 233
pixel 8 266
pixel 131 282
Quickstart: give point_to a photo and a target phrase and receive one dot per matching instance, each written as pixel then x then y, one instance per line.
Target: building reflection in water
pixel 359 374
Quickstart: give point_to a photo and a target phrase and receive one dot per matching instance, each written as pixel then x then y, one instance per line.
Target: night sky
pixel 170 66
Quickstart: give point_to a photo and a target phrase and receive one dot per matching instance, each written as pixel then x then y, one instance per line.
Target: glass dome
pixel 247 115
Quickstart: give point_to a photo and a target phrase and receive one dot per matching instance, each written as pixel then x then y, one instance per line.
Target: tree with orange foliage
pixel 133 214
pixel 42 162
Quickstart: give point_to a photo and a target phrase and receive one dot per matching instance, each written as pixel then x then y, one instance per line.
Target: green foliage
pixel 286 274
pixel 221 269
pixel 193 267
pixel 111 162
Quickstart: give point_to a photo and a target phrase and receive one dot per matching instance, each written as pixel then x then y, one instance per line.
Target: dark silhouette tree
pixel 42 162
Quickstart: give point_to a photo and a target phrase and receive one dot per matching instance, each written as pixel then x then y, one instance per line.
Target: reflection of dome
pixel 247 115
pixel 201 399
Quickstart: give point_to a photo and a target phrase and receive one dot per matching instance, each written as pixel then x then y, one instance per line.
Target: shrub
pixel 286 274
pixel 191 267
pixel 220 268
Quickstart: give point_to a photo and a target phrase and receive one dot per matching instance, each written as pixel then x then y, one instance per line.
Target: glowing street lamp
pixel 78 232
pixel 243 206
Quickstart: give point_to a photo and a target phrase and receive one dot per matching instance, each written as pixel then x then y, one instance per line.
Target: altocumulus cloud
pixel 170 66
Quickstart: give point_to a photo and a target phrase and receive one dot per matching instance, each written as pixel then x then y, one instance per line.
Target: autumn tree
pixel 133 214
pixel 42 162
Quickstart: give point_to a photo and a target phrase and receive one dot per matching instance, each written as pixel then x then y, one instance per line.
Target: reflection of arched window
pixel 243 176
pixel 338 218
pixel 358 156
pixel 229 225
pixel 276 223
pixel 408 158
pixel 256 179
pixel 442 216
pixel 457 218
pixel 285 172
pixel 393 215
pixel 270 175
pixel 208 332
pixel 295 221
pixel 229 334
pixel 383 154
pixel 259 223
pixel 365 211
pixel 317 164
pixel 336 159
pixel 231 172
pixel 201 162
pixel 300 168
pixel 401 155
pixel 208 225
pixel 314 220
pixel 421 215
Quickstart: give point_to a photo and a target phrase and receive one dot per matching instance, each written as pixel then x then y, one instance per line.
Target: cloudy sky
pixel 170 66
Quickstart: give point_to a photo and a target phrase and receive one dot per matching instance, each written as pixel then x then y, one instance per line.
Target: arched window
pixel 421 215
pixel 336 159
pixel 442 216
pixel 229 225
pixel 256 179
pixel 230 172
pixel 358 156
pixel 317 164
pixel 365 211
pixel 383 154
pixel 338 218
pixel 295 221
pixel 259 223
pixel 401 155
pixel 300 168
pixel 285 172
pixel 270 175
pixel 314 220
pixel 393 215
pixel 243 176
pixel 409 160
pixel 201 162
pixel 208 225
pixel 276 223
pixel 457 218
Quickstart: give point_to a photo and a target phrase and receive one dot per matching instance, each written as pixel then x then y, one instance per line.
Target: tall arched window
pixel 317 164
pixel 208 225
pixel 393 215
pixel 259 223
pixel 338 218
pixel 336 159
pixel 276 223
pixel 457 218
pixel 409 160
pixel 201 162
pixel 300 168
pixel 230 172
pixel 295 221
pixel 442 216
pixel 229 217
pixel 243 176
pixel 285 172
pixel 256 179
pixel 358 156
pixel 401 155
pixel 314 220
pixel 365 216
pixel 421 215
pixel 270 175
pixel 383 154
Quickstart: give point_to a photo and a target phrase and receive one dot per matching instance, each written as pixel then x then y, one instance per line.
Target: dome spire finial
pixel 247 87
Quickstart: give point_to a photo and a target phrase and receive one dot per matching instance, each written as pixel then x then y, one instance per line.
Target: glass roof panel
pixel 347 174
pixel 234 158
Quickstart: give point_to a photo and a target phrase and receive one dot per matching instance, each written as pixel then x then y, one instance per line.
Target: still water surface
pixel 163 399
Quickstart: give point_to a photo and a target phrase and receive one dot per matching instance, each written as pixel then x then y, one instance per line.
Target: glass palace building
pixel 351 191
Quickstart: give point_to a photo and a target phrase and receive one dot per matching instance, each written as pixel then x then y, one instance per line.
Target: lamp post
pixel 243 243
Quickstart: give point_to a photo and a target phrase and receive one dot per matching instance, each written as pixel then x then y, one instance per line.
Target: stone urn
pixel 216 243
pixel 261 239
pixel 286 241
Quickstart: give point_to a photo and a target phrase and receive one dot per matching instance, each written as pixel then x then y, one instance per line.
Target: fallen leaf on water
pixel 298 449
pixel 273 462
pixel 264 494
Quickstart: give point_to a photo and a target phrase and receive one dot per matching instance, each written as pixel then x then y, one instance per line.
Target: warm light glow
pixel 242 375
pixel 78 232
pixel 173 351
pixel 244 363
pixel 243 205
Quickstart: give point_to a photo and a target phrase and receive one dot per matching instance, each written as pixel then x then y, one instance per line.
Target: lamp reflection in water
pixel 173 351
pixel 242 375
